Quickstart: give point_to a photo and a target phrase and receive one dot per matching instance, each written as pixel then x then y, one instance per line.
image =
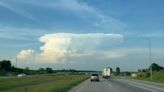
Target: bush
pixel 140 75
pixel 147 75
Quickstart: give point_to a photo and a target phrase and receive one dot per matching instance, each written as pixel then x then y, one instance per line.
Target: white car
pixel 94 77
pixel 21 75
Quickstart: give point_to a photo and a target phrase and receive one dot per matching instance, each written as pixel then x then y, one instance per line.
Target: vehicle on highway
pixel 94 77
pixel 106 72
pixel 21 75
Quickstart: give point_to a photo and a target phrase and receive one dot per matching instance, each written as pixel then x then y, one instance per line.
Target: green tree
pixel 19 70
pixel 156 67
pixel 117 71
pixel 5 65
pixel 111 70
pixel 49 70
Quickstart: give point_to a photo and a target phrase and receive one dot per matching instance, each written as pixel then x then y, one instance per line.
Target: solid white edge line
pixel 142 87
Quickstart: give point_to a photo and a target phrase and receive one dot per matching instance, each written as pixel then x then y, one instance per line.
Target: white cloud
pixel 57 46
pixel 24 54
pixel 134 58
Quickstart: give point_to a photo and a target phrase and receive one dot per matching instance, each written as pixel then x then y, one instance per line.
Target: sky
pixel 82 34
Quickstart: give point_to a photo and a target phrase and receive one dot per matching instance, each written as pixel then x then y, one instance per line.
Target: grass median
pixel 41 83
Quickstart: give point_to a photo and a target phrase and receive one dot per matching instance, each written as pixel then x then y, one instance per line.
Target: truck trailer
pixel 106 72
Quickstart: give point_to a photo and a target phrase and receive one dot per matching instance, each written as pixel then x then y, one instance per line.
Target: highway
pixel 118 85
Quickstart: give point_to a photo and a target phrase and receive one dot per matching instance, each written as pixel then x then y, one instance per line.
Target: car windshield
pixel 81 45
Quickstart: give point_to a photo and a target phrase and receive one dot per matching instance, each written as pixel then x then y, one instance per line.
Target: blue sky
pixel 82 34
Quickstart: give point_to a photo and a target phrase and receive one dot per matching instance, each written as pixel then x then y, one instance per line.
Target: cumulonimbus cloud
pixel 57 46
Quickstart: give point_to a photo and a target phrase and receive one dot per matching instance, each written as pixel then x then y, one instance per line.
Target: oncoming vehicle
pixel 94 77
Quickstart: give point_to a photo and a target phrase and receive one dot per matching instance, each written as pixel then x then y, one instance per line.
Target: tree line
pixel 154 67
pixel 7 68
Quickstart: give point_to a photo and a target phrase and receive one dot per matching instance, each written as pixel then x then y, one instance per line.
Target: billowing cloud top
pixel 58 46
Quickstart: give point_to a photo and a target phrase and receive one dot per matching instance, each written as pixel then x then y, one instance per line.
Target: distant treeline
pixel 7 69
pixel 154 67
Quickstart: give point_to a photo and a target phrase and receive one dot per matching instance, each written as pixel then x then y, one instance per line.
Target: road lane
pixel 87 86
pixel 118 85
pixel 150 86
pixel 125 86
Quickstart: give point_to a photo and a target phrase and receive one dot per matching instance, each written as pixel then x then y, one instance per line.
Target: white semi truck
pixel 106 72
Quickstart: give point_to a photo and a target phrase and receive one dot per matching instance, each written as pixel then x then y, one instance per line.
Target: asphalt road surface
pixel 118 85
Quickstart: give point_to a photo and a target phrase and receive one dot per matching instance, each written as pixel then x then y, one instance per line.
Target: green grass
pixel 41 83
pixel 157 77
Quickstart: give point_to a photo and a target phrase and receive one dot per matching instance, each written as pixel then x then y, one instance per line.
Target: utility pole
pixel 150 58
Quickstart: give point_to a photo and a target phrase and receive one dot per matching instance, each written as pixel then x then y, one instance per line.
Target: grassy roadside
pixel 41 83
pixel 157 77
